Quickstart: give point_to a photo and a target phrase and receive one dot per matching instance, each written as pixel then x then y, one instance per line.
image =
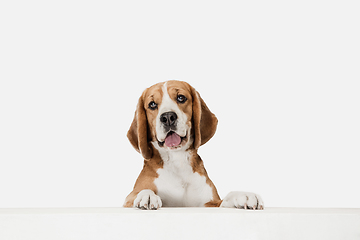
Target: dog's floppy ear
pixel 204 121
pixel 138 132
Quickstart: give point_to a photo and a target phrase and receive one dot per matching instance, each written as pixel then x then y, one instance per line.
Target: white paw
pixel 147 199
pixel 243 200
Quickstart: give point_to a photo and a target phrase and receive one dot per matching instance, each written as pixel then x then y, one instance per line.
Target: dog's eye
pixel 152 105
pixel 181 98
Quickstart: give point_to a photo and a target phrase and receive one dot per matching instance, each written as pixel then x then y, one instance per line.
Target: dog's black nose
pixel 168 118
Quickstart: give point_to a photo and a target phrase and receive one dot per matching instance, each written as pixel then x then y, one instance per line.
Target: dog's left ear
pixel 138 132
pixel 204 121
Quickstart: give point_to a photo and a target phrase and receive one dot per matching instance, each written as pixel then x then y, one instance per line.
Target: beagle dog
pixel 171 122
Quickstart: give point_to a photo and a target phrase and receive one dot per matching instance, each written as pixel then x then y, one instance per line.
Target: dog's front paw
pixel 243 200
pixel 147 199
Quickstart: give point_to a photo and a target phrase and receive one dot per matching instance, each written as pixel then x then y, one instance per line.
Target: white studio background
pixel 281 76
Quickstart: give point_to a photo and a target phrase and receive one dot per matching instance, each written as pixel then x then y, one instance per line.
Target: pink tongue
pixel 172 140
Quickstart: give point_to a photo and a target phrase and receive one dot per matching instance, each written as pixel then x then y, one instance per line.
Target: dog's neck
pixel 177 157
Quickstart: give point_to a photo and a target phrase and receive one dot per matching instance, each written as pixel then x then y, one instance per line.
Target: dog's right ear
pixel 138 132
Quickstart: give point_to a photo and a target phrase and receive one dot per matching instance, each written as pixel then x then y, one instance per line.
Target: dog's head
pixel 171 116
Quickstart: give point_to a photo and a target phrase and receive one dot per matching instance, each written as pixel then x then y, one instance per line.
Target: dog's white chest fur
pixel 178 185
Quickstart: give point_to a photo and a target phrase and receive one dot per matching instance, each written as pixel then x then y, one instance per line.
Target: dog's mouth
pixel 172 140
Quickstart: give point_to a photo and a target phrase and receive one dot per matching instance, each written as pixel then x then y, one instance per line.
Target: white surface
pixel 179 223
pixel 71 73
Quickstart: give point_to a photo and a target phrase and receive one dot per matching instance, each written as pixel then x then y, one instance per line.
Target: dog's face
pixel 169 112
pixel 171 116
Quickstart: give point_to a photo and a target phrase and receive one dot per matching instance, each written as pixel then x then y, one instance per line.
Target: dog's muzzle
pixel 169 123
